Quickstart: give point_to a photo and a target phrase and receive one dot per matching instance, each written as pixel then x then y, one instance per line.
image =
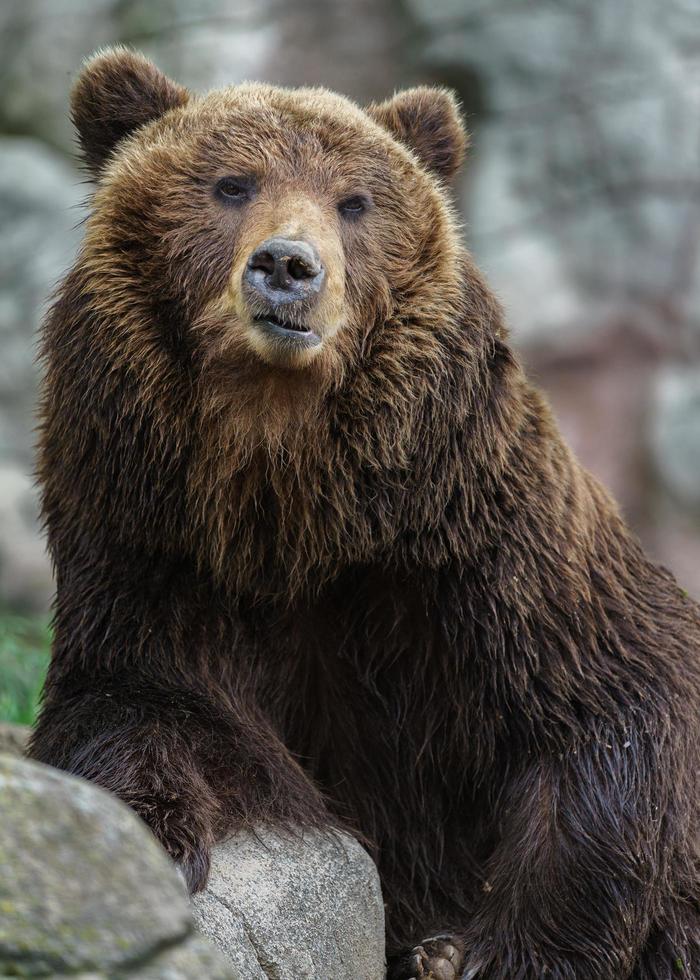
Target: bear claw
pixel 437 958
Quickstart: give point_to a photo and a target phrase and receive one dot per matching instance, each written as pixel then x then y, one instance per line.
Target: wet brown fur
pixel 373 589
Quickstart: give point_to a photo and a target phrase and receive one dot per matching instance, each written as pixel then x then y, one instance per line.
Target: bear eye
pixel 355 205
pixel 235 190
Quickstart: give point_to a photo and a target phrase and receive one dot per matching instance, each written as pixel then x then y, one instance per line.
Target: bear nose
pixel 283 270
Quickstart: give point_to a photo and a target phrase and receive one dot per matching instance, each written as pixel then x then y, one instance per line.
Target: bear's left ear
pixel 427 121
pixel 116 92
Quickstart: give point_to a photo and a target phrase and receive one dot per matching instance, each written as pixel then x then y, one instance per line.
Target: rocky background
pixel 581 199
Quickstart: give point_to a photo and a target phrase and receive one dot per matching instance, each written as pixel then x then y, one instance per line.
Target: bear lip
pixel 286 324
pixel 284 329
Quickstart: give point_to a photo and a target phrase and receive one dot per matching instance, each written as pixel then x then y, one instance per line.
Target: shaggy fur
pixel 372 589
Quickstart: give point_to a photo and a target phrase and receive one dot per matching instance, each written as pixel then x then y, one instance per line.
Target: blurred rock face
pixel 585 195
pixel 581 196
pixel 39 194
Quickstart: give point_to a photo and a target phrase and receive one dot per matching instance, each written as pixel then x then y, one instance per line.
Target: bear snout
pixel 283 271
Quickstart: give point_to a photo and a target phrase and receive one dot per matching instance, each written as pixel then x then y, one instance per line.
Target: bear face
pixel 277 228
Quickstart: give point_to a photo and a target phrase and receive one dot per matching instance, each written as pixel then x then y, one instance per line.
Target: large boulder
pixel 295 907
pixel 86 889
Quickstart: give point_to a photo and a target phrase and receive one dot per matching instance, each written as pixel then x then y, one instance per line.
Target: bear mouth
pixel 285 324
pixel 286 330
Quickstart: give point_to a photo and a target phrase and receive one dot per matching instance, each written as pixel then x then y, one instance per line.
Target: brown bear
pixel 322 556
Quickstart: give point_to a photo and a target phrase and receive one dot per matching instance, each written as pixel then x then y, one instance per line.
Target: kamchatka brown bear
pixel 322 556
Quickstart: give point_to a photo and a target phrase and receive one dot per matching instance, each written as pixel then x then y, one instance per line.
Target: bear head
pixel 267 232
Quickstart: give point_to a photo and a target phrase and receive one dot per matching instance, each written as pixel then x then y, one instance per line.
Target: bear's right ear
pixel 117 91
pixel 428 121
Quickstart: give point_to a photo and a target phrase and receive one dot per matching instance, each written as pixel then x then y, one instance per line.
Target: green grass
pixel 24 657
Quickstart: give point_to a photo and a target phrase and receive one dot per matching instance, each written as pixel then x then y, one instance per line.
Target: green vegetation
pixel 24 657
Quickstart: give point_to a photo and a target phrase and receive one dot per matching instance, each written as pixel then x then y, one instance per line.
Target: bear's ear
pixel 117 91
pixel 428 121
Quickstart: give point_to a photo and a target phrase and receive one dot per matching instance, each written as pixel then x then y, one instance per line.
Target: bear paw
pixel 437 958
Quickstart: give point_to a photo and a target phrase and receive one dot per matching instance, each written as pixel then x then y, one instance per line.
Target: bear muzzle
pixel 281 283
pixel 282 271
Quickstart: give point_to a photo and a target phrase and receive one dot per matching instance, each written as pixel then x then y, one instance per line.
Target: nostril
pixel 300 268
pixel 263 260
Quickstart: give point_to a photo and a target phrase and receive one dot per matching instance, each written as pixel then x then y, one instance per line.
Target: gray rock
pixel 85 887
pixel 295 908
pixel 13 738
pixel 86 890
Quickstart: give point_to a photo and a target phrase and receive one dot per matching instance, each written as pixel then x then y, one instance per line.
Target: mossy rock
pixel 86 888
